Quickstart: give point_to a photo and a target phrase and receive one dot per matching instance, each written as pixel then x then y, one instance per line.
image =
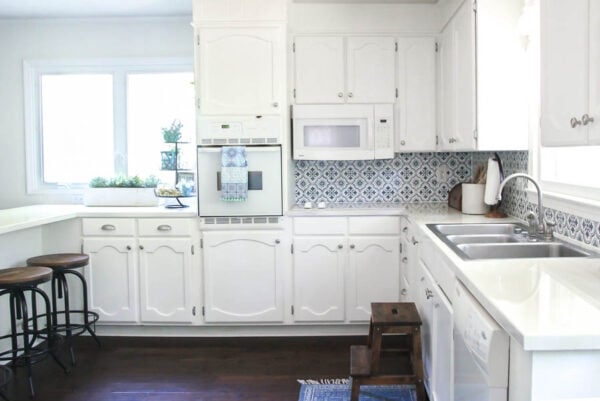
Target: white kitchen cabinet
pixel 408 261
pixel 239 10
pixel 416 103
pixel 243 276
pixel 483 79
pixel 319 271
pixel 335 69
pixel 424 286
pixel 570 72
pixel 374 274
pixel 112 278
pixel 241 70
pixel 165 280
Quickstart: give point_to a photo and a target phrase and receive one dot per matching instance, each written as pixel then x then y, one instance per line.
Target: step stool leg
pixel 417 362
pixel 355 391
pixel 370 337
pixel 376 349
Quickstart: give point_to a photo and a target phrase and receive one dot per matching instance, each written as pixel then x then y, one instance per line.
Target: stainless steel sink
pixel 521 250
pixel 501 241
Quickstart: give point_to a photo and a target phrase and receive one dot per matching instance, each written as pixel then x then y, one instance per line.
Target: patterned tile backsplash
pixel 426 177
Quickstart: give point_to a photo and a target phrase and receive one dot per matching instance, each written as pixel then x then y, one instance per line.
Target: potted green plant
pixel 172 133
pixel 121 191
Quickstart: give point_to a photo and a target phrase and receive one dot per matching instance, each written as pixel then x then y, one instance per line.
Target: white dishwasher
pixel 481 350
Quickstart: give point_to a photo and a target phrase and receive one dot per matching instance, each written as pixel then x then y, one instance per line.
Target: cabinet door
pixel 458 81
pixel 374 274
pixel 241 70
pixel 319 278
pixel 243 276
pixel 415 107
pixel 112 279
pixel 442 385
pixel 371 70
pixel 319 69
pixel 565 35
pixel 165 280
pixel 424 305
pixel 594 82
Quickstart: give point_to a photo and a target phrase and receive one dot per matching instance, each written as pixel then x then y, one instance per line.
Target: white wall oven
pixel 264 197
pixel 343 132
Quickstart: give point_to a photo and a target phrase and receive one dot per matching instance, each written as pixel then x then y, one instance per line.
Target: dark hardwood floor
pixel 184 369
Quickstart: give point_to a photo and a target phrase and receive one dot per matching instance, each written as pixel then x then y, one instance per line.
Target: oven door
pixel 264 183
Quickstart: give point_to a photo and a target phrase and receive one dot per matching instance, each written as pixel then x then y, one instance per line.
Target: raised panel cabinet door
pixel 373 274
pixel 371 69
pixel 165 280
pixel 565 35
pixel 319 69
pixel 594 106
pixel 241 70
pixel 424 304
pixel 243 276
pixel 447 114
pixel 443 347
pixel 319 278
pixel 415 106
pixel 112 279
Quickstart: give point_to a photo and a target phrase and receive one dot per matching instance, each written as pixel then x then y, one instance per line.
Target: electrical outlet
pixel 442 172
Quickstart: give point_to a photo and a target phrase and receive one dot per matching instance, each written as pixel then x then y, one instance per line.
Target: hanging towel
pixel 234 174
pixel 495 175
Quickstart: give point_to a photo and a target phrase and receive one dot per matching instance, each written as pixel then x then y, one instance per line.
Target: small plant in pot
pixel 121 191
pixel 172 134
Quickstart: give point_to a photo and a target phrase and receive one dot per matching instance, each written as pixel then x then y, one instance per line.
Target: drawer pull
pixel 405 229
pixel 414 241
pixel 352 246
pixel 405 260
pixel 128 247
pixel 108 227
pixel 164 227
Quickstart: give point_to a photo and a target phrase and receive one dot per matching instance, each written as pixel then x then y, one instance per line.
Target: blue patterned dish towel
pixel 234 174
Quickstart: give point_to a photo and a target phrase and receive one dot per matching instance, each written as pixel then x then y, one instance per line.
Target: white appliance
pixel 481 351
pixel 241 130
pixel 264 183
pixel 343 132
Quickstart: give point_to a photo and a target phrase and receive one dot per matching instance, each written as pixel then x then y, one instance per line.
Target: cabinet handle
pixel 275 104
pixel 278 241
pixel 575 122
pixel 402 142
pixel 350 94
pixel 403 292
pixel 340 94
pixel 340 246
pixel 414 241
pixel 141 247
pixel 405 260
pixel 428 293
pixel 352 246
pixel 452 140
pixel 128 248
pixel 405 229
pixel 108 227
pixel 164 227
pixel 586 119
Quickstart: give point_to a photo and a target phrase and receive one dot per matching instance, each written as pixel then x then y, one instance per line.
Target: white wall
pixel 68 38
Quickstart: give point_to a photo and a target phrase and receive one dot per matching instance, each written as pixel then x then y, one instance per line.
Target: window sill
pixel 586 208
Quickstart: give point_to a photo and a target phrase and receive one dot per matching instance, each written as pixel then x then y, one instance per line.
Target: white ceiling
pixel 93 8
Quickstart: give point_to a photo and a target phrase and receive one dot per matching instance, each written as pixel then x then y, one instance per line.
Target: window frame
pixel 119 68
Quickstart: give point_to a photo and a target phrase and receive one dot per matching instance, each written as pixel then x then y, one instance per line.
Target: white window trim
pixel 32 69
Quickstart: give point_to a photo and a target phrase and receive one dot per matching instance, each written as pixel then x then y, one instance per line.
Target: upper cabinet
pixel 241 70
pixel 570 72
pixel 335 69
pixel 239 10
pixel 482 92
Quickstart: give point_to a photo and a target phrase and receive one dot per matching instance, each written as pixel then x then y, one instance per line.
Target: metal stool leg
pixel 86 313
pixel 26 344
pixel 64 289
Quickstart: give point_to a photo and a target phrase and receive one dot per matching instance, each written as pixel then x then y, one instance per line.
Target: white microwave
pixel 343 132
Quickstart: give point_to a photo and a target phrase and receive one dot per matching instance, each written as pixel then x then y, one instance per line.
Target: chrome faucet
pixel 542 226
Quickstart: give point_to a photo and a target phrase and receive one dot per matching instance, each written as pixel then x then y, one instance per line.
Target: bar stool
pixel 388 318
pixel 63 264
pixel 32 344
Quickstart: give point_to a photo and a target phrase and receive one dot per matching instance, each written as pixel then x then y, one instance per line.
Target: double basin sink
pixel 501 241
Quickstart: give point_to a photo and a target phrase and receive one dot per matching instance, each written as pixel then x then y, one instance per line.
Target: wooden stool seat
pixel 24 276
pixel 400 318
pixel 60 260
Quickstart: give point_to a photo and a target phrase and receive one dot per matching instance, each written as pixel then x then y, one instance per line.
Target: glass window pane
pixel 77 127
pixel 571 165
pixel 154 101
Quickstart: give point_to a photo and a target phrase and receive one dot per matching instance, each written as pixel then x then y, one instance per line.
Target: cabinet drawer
pixel 374 225
pixel 108 227
pixel 320 225
pixel 164 227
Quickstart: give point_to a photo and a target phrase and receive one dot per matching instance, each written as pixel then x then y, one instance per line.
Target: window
pixel 103 118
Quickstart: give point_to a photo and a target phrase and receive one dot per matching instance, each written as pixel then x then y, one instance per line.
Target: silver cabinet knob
pixel 405 229
pixel 277 241
pixel 575 122
pixel 402 143
pixel 404 291
pixel 128 248
pixel 340 246
pixel 141 247
pixel 350 94
pixel 405 260
pixel 414 241
pixel 340 94
pixel 352 246
pixel 275 104
pixel 428 293
pixel 586 119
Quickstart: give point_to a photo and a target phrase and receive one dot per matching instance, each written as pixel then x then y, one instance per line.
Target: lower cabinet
pixel 319 271
pixel 243 276
pixel 165 280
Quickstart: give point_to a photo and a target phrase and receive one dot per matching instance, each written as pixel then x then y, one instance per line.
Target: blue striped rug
pixel 341 392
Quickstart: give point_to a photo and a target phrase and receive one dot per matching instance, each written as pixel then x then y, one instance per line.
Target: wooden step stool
pixel 388 318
